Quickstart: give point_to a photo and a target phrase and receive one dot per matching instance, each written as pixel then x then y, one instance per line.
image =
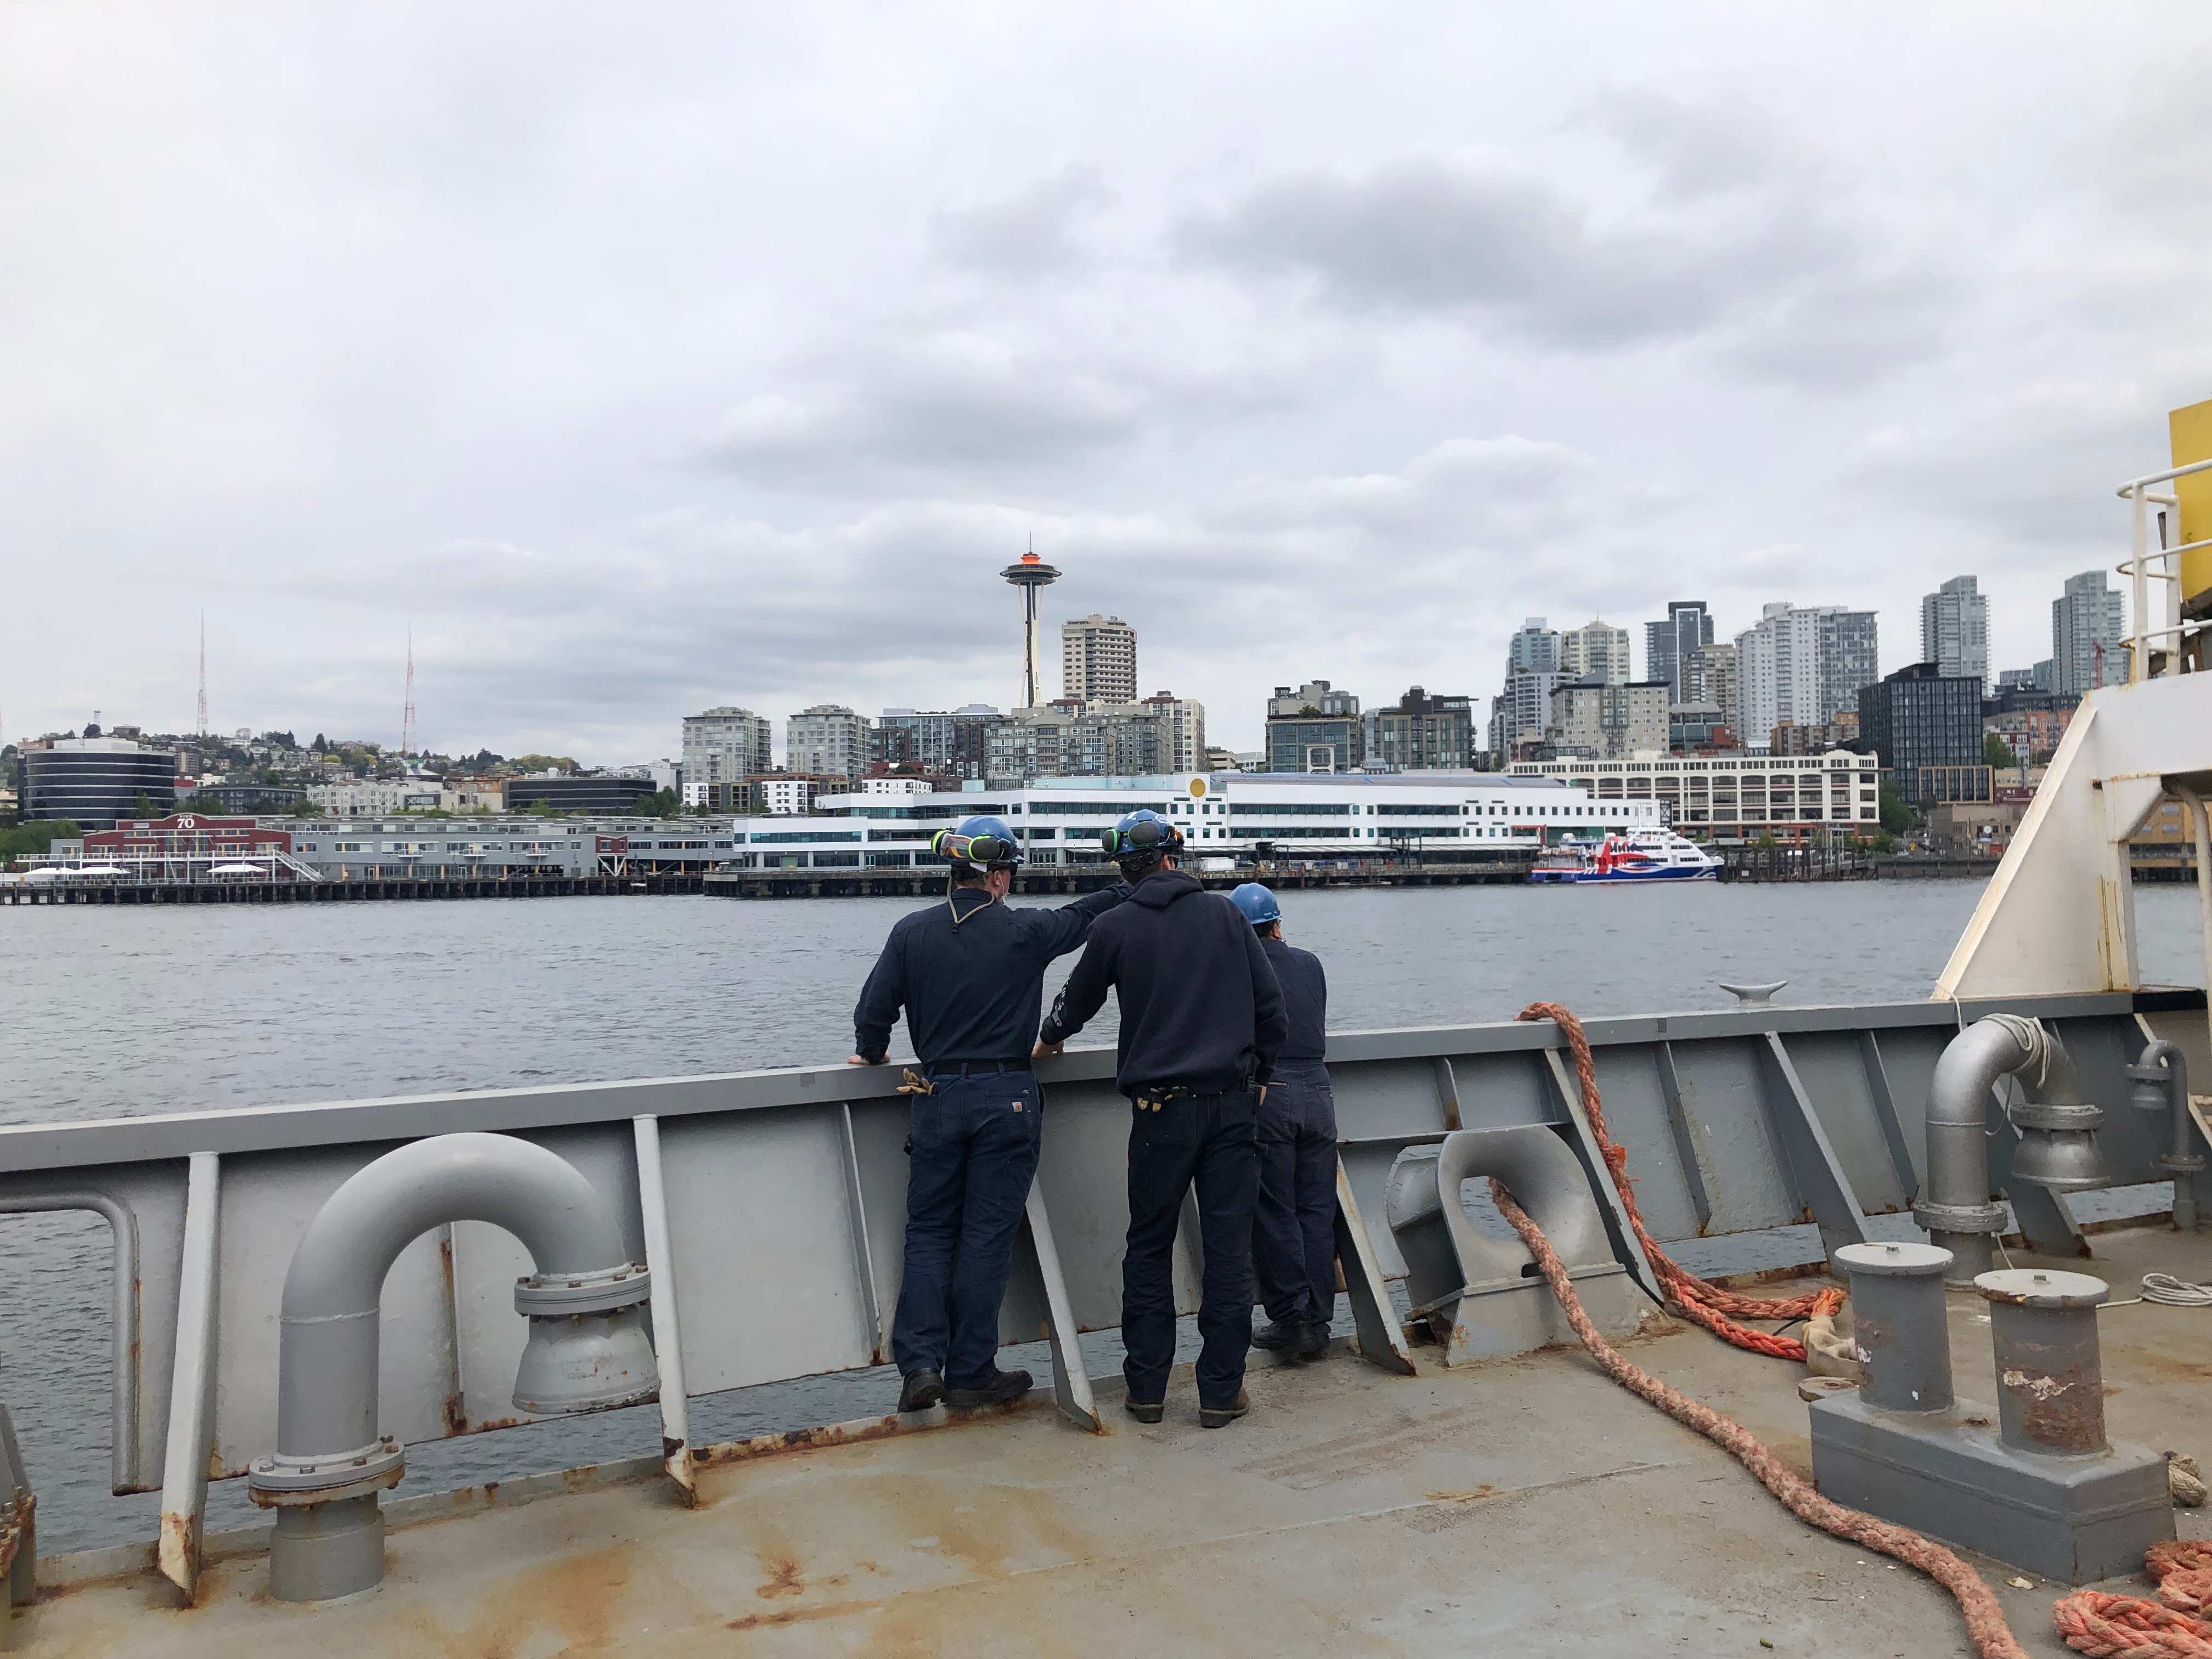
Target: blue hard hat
pixel 979 840
pixel 1141 831
pixel 1257 903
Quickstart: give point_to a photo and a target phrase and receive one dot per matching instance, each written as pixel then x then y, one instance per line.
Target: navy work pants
pixel 971 1153
pixel 1294 1222
pixel 1206 1141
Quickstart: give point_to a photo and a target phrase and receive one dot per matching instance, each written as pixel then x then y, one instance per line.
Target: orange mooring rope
pixel 1985 1621
pixel 1699 1302
pixel 2110 1627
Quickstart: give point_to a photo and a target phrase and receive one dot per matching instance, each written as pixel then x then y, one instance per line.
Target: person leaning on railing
pixel 970 973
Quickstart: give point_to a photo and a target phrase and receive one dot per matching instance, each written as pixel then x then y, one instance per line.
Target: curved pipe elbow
pixel 538 1196
pixel 327 1383
pixel 1957 1105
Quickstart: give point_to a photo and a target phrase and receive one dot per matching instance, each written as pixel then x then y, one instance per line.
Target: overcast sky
pixel 648 358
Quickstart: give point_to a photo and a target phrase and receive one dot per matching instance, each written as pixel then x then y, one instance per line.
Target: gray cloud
pixel 1730 246
pixel 725 355
pixel 1026 233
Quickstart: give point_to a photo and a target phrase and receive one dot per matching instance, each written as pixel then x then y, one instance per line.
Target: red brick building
pixel 185 845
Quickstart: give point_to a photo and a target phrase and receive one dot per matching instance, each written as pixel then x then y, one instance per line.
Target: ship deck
pixel 1525 1505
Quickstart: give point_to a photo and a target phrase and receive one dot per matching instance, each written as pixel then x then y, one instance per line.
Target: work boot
pixel 1313 1341
pixel 921 1390
pixel 1220 1417
pixel 1144 1413
pixel 1004 1387
pixel 1280 1334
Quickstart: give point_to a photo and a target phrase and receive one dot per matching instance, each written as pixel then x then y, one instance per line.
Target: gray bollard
pixel 2050 1374
pixel 1899 1324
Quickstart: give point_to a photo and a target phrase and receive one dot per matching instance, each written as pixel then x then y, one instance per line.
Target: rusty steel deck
pixel 1525 1505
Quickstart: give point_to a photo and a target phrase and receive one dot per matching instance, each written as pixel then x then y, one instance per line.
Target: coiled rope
pixel 1698 1300
pixel 2108 1626
pixel 1985 1621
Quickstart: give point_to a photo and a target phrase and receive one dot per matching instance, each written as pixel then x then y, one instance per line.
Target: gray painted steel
pixel 1742 1119
pixel 1899 1324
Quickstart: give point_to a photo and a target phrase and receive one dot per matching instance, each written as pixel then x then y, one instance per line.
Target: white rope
pixel 2175 1292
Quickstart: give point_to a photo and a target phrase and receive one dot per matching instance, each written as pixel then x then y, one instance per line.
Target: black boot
pixel 921 1390
pixel 1004 1387
pixel 1280 1335
pixel 1313 1342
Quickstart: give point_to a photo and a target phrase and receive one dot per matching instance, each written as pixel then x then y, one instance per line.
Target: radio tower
pixel 204 729
pixel 407 716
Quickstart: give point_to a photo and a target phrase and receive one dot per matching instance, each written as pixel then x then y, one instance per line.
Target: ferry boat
pixel 1641 855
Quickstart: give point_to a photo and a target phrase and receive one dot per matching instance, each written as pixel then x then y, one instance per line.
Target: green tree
pixel 143 807
pixel 660 804
pixel 1896 816
pixel 1884 842
pixel 17 840
pixel 1997 752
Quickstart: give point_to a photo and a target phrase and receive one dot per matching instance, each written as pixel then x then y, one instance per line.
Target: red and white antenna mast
pixel 407 716
pixel 204 725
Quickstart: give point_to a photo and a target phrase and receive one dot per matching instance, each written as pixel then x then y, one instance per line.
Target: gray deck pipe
pixel 2161 1077
pixel 1954 1204
pixel 590 1352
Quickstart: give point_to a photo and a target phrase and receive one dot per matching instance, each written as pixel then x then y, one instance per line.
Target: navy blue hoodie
pixel 1200 1005
pixel 971 974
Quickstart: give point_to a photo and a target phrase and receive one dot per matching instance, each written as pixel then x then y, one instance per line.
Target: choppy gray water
pixel 119 1012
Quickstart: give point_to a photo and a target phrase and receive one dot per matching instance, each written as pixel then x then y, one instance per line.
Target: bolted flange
pixel 276 1482
pixel 541 1296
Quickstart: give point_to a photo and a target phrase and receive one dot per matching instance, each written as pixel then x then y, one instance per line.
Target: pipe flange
pixel 2037 1115
pixel 2182 1162
pixel 1959 1218
pixel 556 1296
pixel 277 1481
pixel 2156 1074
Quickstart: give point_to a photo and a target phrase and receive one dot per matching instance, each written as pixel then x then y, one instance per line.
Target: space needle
pixel 1029 573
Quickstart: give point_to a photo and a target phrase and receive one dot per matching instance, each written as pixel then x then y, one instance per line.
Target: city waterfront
pixel 119 1012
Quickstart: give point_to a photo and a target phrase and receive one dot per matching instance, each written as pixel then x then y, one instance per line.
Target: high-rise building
pixel 1918 718
pixel 1802 664
pixel 1098 660
pixel 1709 680
pixel 955 744
pixel 1534 649
pixel 826 739
pixel 1955 629
pixel 1313 727
pixel 1519 713
pixel 1421 733
pixel 1603 721
pixel 1597 651
pixel 1182 731
pixel 2088 622
pixel 724 746
pixel 1668 645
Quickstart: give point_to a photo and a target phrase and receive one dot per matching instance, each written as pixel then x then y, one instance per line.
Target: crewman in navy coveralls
pixel 970 973
pixel 1294 1222
pixel 1202 1021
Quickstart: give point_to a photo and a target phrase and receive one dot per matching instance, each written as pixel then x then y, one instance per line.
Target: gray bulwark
pixel 785 1190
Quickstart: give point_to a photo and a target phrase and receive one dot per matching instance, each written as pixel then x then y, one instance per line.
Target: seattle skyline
pixel 1307 343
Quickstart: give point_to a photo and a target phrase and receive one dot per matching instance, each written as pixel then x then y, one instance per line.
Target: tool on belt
pixel 914 1082
pixel 1153 1103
